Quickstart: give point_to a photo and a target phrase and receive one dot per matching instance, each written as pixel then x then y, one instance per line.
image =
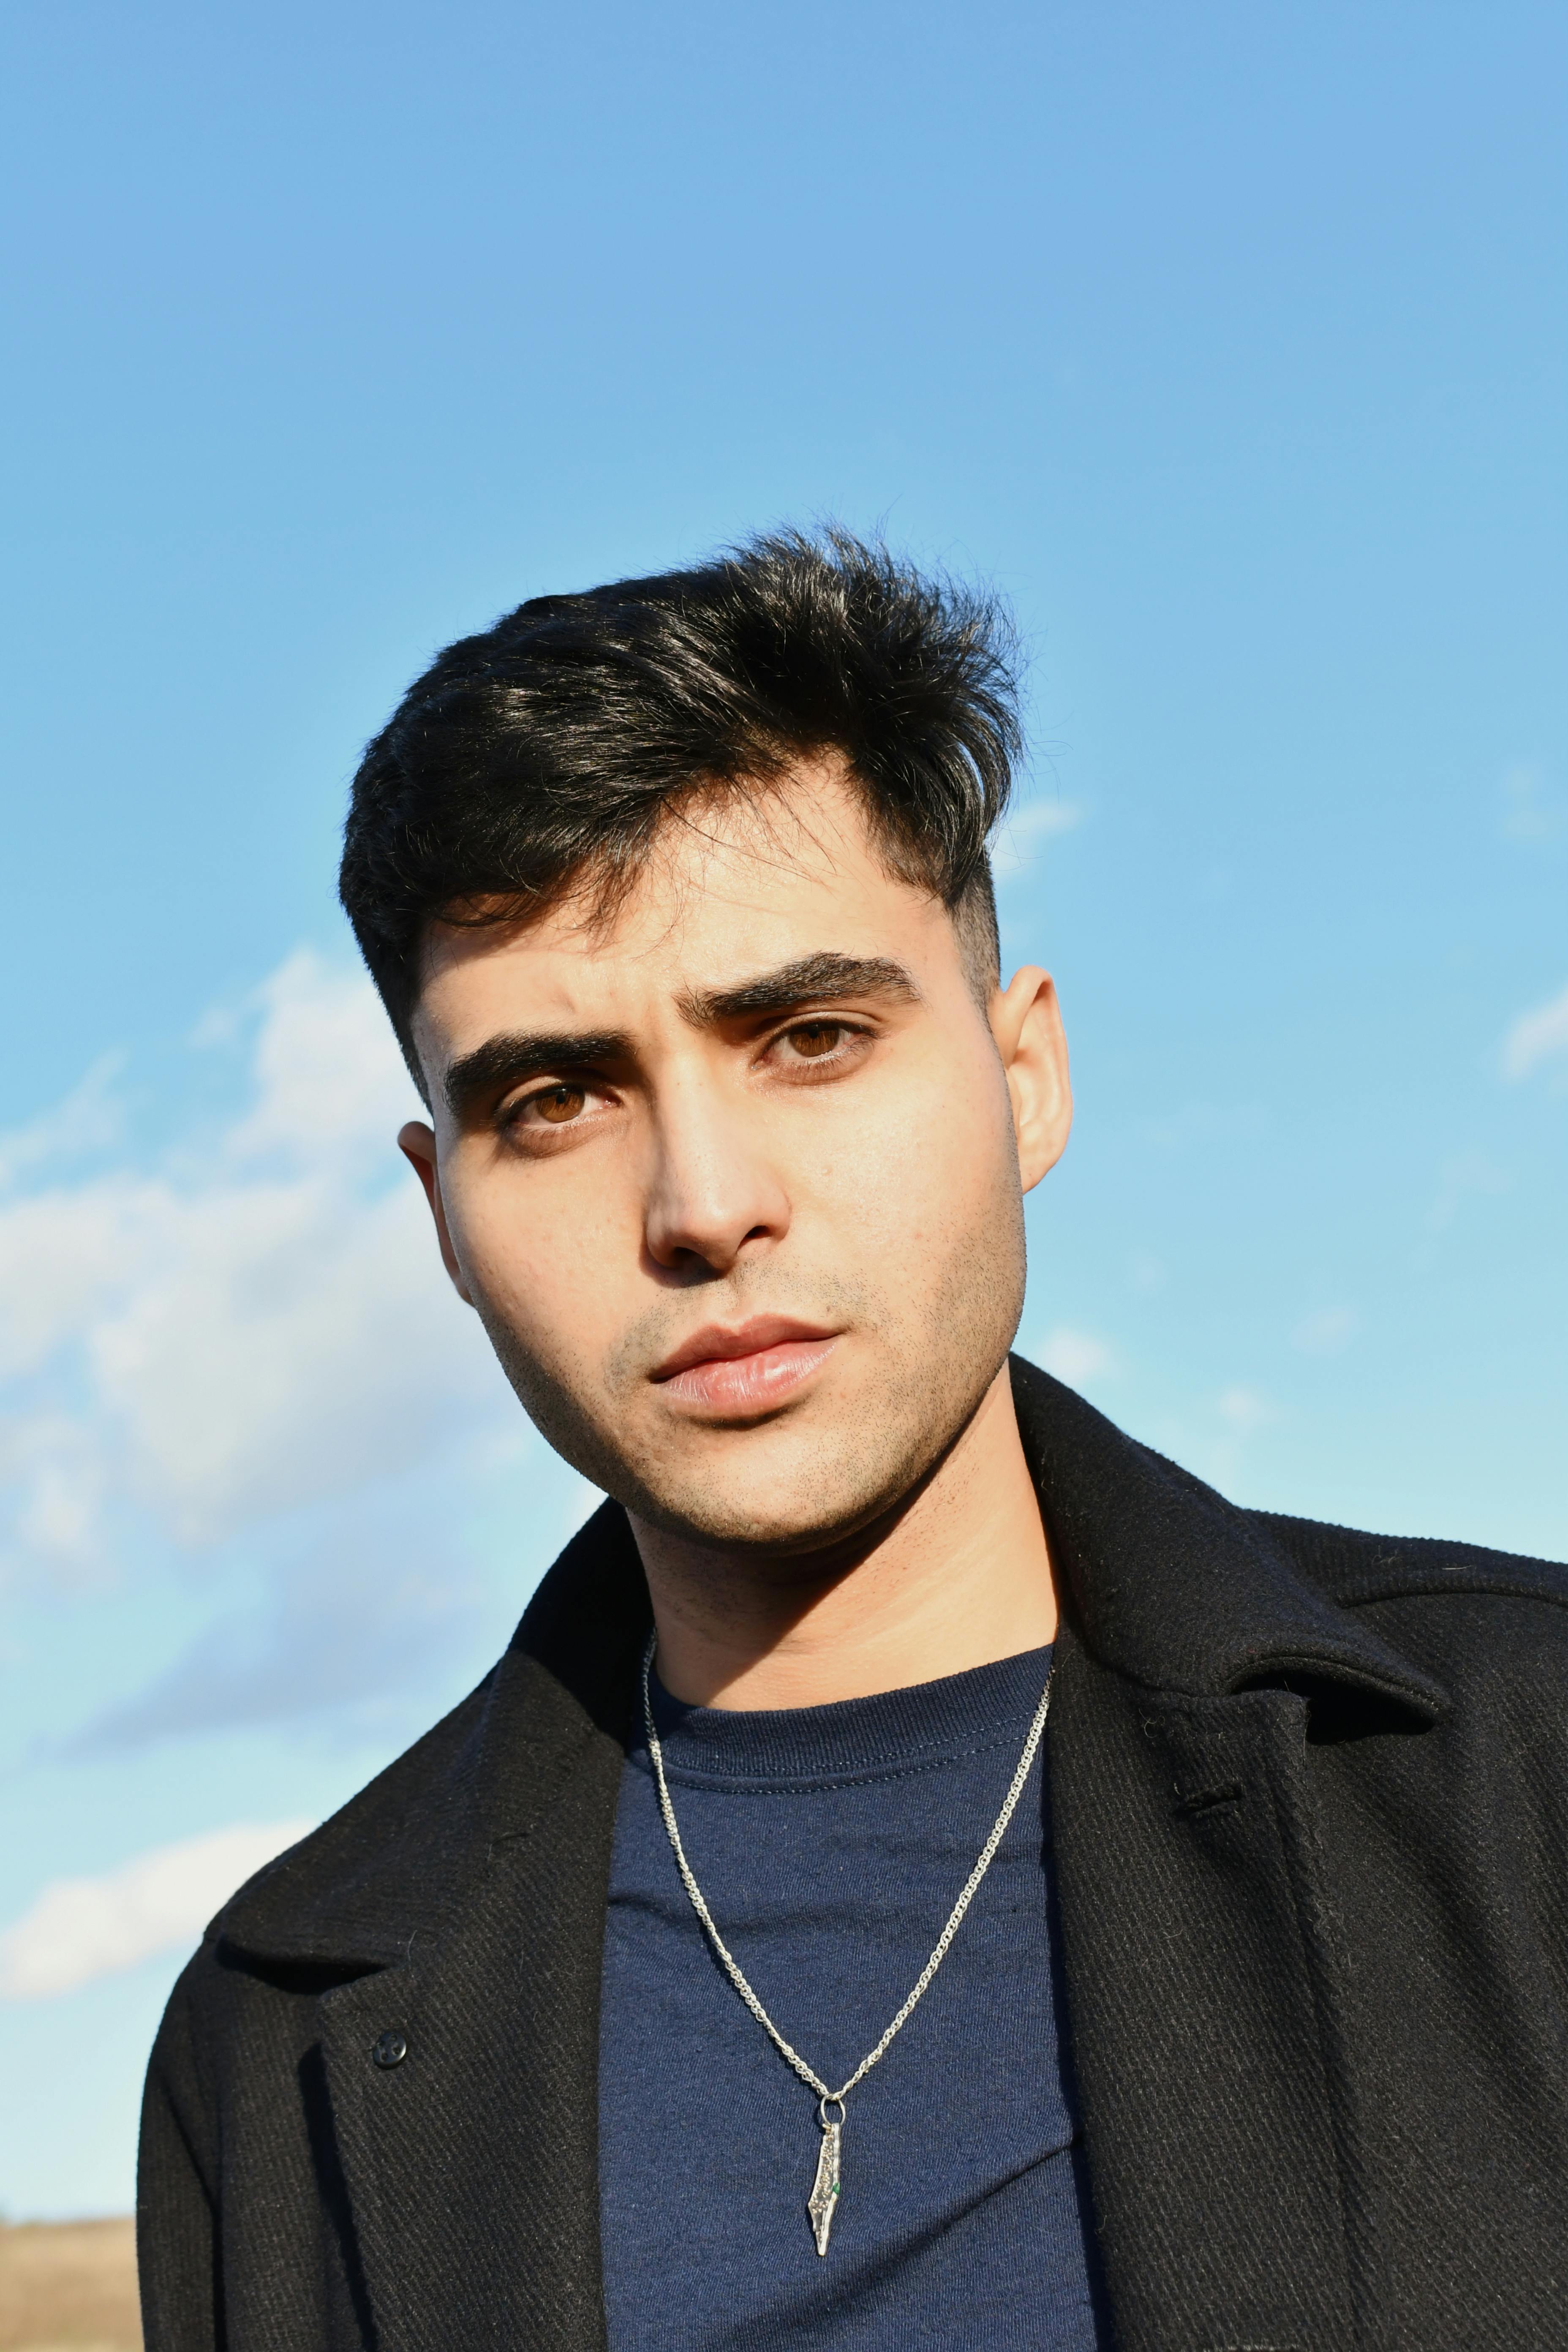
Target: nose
pixel 713 1193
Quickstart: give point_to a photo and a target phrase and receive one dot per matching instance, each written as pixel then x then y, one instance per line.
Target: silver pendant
pixel 825 2188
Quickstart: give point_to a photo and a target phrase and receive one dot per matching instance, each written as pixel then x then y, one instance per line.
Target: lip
pixel 744 1367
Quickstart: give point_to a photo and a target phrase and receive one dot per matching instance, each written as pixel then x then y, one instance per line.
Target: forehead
pixel 734 884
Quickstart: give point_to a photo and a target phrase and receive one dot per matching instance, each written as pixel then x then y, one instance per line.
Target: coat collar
pixel 1164 1581
pixel 374 1887
pixel 1176 1588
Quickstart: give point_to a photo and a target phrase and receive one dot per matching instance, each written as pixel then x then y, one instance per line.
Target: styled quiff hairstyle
pixel 543 756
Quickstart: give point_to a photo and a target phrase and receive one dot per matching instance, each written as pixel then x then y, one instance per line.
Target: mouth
pixel 744 1367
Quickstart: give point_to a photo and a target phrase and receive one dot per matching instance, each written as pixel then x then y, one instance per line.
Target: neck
pixel 958 1578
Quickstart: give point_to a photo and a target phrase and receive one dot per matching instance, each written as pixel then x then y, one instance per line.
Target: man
pixel 752 1959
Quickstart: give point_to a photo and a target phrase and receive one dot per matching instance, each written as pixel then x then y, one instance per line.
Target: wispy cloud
pixel 1327 1331
pixel 1469 1175
pixel 1537 1036
pixel 89 1117
pixel 243 1329
pixel 1243 1409
pixel 363 1605
pixel 1532 810
pixel 1206 1126
pixel 1213 1432
pixel 1020 844
pixel 81 1928
pixel 1073 1356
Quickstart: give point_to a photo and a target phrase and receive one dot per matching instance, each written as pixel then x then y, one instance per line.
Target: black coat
pixel 1310 1795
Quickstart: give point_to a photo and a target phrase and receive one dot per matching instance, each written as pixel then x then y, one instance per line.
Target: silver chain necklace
pixel 824 2198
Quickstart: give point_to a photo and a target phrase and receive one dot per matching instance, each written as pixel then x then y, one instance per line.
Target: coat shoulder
pixel 381 1867
pixel 1466 1607
pixel 375 1821
pixel 1352 1566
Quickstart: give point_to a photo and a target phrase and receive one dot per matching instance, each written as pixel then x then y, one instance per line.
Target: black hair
pixel 545 753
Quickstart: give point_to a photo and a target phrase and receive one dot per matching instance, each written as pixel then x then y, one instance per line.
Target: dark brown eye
pixel 560 1104
pixel 814 1039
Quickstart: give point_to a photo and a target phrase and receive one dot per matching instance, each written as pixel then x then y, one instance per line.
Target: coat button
pixel 389 2049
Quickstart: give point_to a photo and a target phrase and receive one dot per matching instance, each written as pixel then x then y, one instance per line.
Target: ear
pixel 417 1144
pixel 1026 1023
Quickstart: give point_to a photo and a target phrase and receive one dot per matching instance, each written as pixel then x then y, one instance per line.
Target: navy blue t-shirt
pixel 831 1844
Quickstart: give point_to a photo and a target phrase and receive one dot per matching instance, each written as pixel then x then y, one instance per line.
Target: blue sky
pixel 1226 341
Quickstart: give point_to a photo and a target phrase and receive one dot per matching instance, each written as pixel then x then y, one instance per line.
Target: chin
pixel 780 1534
pixel 810 1505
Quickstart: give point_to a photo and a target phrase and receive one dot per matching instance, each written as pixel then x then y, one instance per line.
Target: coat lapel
pixel 1202 1971
pixel 473 2153
pixel 476 2156
pixel 1195 1989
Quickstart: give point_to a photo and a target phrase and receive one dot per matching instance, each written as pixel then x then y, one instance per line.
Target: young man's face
pixel 735 1183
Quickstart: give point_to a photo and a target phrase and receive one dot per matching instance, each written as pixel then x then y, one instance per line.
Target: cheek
pixel 540 1257
pixel 918 1160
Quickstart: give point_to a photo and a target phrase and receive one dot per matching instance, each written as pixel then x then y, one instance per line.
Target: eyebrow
pixel 511 1058
pixel 825 979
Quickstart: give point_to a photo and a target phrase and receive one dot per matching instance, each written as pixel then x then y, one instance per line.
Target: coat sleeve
pixel 176 2192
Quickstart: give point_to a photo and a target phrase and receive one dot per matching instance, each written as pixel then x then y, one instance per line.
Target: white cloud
pixel 1074 1357
pixel 1531 810
pixel 290 1339
pixel 247 1329
pixel 1327 1331
pixel 1203 1126
pixel 1244 1409
pixel 66 1253
pixel 81 1928
pixel 1024 835
pixel 49 1462
pixel 1537 1036
pixel 329 1079
pixel 88 1119
pixel 1469 1174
